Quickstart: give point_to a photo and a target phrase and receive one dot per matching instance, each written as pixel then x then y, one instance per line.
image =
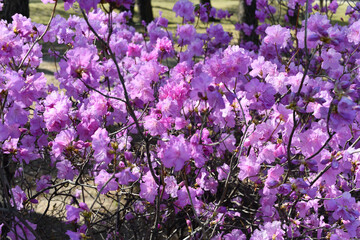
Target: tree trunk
pixel 247 15
pixel 208 2
pixel 293 20
pixel 145 10
pixel 202 2
pixel 11 7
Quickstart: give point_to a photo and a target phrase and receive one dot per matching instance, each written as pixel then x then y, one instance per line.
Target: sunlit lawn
pixel 41 13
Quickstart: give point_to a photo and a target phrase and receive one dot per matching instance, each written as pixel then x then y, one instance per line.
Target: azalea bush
pixel 182 135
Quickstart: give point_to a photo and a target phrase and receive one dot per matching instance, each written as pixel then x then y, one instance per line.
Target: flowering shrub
pixel 221 142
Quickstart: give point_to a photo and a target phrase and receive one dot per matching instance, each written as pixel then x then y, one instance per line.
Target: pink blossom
pixel 248 167
pixel 277 35
pixel 134 50
pixel 148 187
pixel 175 152
pixel 100 143
pixel 43 183
pixel 164 45
pixel 73 213
pixel 235 234
pixel 184 9
pixel 18 197
pixel 125 176
pixel 331 59
pixel 333 6
pixel 88 4
pixel 223 171
pixel 206 182
pixel 186 34
pixel 105 182
pixel 66 170
pixel 354 33
pixel 171 186
pixel 48 1
pixel 19 230
pixel 183 198
pixel 270 230
pixel 63 140
pixel 56 115
pixel 273 179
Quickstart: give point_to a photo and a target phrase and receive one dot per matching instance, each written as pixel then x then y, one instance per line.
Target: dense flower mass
pixel 182 133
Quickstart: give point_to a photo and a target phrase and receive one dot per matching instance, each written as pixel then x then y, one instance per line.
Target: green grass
pixel 167 12
pixel 340 17
pixel 41 13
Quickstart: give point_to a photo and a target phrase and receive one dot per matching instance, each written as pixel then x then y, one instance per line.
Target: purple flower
pixel 100 143
pixel 331 59
pixel 134 50
pixel 273 179
pixel 175 152
pixel 270 230
pixel 319 23
pixel 261 95
pixel 56 115
pixel 88 4
pixel 186 34
pixel 73 235
pixel 23 26
pixel 125 176
pixel 184 9
pixel 222 14
pixel 66 170
pixel 219 38
pixel 148 187
pixel 333 6
pixel 18 198
pixel 354 33
pixel 171 186
pixel 10 146
pixel 20 231
pixel 103 178
pixel 206 182
pixel 78 234
pixel 183 198
pixel 160 21
pixel 223 171
pixel 63 140
pixel 277 35
pixel 164 45
pixel 73 213
pixel 82 64
pixel 345 109
pixel 17 114
pixel 345 208
pixel 236 234
pixel 43 183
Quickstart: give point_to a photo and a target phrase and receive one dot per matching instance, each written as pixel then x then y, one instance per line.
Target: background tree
pixel 205 1
pixel 247 15
pixel 145 9
pixel 293 20
pixel 11 7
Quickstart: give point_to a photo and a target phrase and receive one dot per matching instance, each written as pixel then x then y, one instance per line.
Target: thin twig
pixel 39 38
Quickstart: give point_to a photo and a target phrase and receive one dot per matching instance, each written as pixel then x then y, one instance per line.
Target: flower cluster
pixel 224 142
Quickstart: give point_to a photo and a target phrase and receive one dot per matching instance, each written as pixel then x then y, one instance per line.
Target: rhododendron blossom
pixel 185 131
pixel 277 35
